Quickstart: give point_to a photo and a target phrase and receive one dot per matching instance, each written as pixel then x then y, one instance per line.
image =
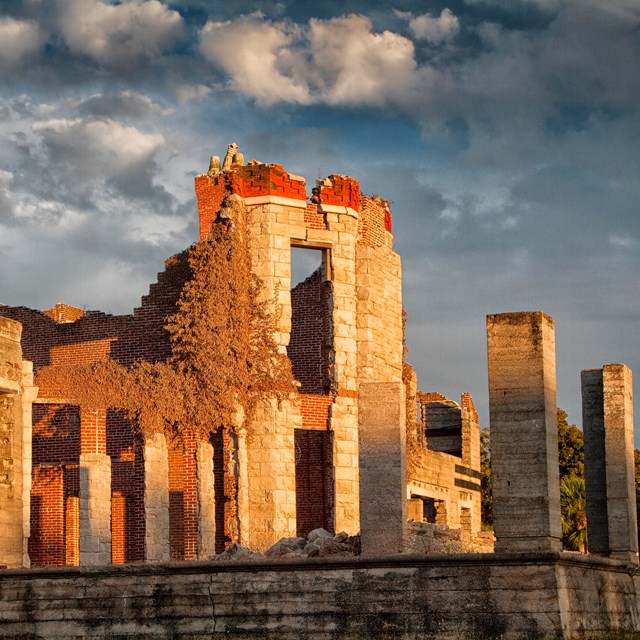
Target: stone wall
pixel 17 394
pixel 546 596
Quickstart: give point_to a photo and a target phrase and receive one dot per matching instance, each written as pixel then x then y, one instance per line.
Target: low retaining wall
pixel 453 597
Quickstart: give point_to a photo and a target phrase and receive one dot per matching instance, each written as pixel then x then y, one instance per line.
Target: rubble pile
pixel 319 543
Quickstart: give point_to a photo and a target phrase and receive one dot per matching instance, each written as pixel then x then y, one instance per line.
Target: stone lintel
pixel 334 208
pixel 252 201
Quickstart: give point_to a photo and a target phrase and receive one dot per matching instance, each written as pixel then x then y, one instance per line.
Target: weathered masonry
pixel 16 395
pixel 103 493
pixel 537 593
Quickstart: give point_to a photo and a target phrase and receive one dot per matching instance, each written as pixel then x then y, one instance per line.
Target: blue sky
pixel 504 132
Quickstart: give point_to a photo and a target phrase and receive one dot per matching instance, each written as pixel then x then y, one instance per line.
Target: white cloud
pixel 253 54
pixel 622 240
pixel 18 40
pixel 336 61
pixel 118 33
pixel 191 92
pixel 432 29
pixel 110 146
pixel 352 65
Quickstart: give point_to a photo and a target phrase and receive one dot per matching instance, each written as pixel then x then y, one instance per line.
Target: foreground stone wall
pixel 470 597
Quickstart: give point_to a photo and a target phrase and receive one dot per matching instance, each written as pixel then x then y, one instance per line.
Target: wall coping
pixel 408 561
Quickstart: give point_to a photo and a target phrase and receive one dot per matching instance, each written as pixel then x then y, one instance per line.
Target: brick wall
pixel 374 222
pixel 310 342
pixel 314 480
pixel 47 542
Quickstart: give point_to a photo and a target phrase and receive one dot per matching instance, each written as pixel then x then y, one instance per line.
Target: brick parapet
pixel 338 190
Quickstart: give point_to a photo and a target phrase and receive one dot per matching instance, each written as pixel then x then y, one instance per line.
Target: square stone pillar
pixel 383 477
pixel 156 499
pixel 607 418
pixel 524 432
pixel 206 501
pixel 95 509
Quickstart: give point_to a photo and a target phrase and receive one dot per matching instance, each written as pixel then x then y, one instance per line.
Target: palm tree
pixel 573 507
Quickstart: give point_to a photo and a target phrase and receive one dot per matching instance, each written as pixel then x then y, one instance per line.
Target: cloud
pixel 120 33
pixel 339 61
pixel 126 104
pixel 191 92
pixel 19 39
pixel 254 54
pixel 432 29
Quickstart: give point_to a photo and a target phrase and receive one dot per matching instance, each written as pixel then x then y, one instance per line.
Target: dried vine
pixel 224 362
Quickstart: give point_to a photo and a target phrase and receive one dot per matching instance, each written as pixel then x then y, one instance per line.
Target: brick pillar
pixel 156 499
pixel 524 433
pixel 383 478
pixel 607 417
pixel 95 490
pixel 206 501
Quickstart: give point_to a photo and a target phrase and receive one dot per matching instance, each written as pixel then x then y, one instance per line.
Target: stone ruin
pixel 102 494
pixel 358 481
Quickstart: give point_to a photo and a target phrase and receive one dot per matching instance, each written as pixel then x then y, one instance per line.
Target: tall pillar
pixel 206 501
pixel 383 477
pixel 95 490
pixel 524 433
pixel 607 415
pixel 16 396
pixel 156 499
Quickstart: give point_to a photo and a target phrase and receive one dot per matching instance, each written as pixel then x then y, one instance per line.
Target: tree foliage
pixel 486 481
pixel 570 447
pixel 224 359
pixel 573 506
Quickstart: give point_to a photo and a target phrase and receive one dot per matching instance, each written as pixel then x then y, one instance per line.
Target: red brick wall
pixel 374 222
pixel 342 191
pixel 127 482
pixel 314 480
pixel 311 340
pixel 209 194
pixel 313 218
pixel 315 411
pixel 47 542
pixel 226 489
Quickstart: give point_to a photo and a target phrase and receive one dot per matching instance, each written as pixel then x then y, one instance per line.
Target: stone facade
pixel 96 497
pixel 544 596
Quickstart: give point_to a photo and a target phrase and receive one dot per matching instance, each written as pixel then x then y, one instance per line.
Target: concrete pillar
pixel 524 433
pixel 383 479
pixel 156 499
pixel 607 415
pixel 206 501
pixel 95 509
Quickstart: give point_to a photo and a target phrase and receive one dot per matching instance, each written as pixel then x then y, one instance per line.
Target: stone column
pixel 95 490
pixel 95 509
pixel 16 396
pixel 524 433
pixel 607 415
pixel 383 478
pixel 206 501
pixel 156 499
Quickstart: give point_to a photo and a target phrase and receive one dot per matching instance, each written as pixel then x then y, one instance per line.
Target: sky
pixel 504 133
